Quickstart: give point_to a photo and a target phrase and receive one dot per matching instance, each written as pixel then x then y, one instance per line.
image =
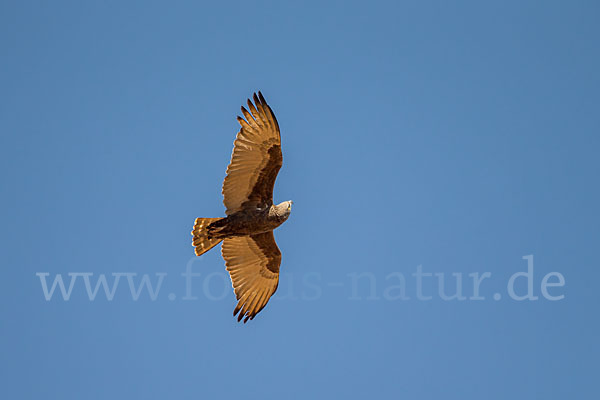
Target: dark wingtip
pixel 262 99
pixel 255 97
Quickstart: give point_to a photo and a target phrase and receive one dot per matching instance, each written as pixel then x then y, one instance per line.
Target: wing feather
pixel 253 265
pixel 255 161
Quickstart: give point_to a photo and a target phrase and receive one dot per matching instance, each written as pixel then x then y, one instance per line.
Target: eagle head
pixel 283 210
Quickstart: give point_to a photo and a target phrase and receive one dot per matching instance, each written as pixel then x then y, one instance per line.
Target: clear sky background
pixel 459 136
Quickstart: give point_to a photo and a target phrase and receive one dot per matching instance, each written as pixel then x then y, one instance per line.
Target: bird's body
pixel 250 222
pixel 249 249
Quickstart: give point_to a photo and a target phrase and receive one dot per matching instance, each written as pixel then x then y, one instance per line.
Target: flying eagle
pixel 249 249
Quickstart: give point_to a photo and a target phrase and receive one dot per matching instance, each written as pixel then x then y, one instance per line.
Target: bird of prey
pixel 251 255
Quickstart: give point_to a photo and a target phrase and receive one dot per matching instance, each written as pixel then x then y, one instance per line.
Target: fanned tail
pixel 202 242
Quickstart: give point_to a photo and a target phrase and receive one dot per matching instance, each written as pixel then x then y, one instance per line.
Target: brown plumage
pixel 249 249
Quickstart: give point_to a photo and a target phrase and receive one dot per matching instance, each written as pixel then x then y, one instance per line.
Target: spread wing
pixel 253 264
pixel 255 161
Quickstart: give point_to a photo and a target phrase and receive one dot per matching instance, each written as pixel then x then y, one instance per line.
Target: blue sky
pixel 455 136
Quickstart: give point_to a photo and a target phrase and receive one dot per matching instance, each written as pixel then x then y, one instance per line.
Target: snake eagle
pixel 251 255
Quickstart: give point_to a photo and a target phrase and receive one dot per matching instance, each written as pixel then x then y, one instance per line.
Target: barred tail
pixel 201 241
